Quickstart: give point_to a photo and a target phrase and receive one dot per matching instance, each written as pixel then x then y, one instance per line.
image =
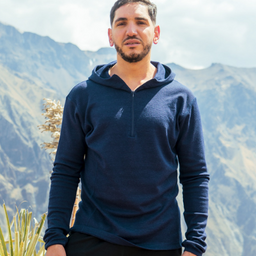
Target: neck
pixel 134 74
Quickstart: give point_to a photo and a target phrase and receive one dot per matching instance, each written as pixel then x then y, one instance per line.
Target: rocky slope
pixel 34 67
pixel 227 99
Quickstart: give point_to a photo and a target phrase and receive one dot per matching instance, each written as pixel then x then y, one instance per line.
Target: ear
pixel 111 43
pixel 156 34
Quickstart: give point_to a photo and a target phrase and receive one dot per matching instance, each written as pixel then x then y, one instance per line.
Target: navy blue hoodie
pixel 126 146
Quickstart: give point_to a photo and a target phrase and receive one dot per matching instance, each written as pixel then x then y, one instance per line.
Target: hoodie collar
pixel 100 75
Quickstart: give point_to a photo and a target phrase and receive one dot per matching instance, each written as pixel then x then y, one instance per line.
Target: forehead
pixel 132 10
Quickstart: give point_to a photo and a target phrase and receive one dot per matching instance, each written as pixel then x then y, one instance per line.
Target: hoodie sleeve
pixel 194 178
pixel 65 177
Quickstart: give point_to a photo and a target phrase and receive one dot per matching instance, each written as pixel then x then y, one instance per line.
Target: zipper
pixel 132 128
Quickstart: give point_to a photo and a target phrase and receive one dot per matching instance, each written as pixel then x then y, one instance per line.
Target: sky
pixel 194 33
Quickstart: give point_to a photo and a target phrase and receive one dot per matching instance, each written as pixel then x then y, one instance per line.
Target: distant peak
pixel 217 65
pixel 105 50
pixel 173 65
pixel 7 27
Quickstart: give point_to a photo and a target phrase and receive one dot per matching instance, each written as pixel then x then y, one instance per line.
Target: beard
pixel 134 57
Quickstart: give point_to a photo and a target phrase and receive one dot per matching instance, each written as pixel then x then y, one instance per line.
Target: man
pixel 124 131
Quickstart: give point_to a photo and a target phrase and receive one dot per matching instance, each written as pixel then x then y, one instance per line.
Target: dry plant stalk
pixel 75 207
pixel 53 112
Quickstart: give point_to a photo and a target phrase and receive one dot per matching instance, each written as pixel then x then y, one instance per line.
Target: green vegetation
pixel 23 239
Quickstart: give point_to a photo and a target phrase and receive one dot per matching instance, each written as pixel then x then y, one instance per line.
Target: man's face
pixel 133 32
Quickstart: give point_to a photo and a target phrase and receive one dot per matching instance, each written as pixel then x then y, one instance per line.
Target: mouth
pixel 132 42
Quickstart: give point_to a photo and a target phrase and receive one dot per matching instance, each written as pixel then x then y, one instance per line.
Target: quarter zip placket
pixel 132 128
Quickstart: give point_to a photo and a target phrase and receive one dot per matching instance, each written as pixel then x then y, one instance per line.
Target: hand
pixel 188 254
pixel 56 250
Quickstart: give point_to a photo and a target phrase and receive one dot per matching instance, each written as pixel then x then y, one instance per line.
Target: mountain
pixel 33 67
pixel 227 100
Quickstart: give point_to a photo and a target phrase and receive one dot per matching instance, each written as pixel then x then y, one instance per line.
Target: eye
pixel 120 24
pixel 141 23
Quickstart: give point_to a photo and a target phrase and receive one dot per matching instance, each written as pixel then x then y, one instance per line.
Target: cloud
pixel 201 32
pixel 193 33
pixel 79 22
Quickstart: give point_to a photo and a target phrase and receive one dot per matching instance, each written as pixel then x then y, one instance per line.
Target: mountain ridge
pixel 34 67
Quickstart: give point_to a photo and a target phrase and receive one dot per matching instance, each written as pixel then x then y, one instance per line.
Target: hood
pixel 100 75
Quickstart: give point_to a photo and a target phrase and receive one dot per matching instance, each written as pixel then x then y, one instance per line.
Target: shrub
pixel 23 238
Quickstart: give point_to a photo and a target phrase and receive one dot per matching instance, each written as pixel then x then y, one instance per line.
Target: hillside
pixel 227 100
pixel 34 67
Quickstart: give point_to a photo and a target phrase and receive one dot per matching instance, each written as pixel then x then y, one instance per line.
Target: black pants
pixel 86 245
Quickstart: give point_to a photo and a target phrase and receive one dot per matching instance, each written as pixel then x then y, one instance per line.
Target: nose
pixel 131 30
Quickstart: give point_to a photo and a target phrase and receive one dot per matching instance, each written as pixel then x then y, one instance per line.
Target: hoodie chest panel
pixel 155 115
pixel 109 111
pixel 117 114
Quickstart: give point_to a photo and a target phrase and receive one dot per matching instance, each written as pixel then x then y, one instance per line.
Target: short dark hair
pixel 152 9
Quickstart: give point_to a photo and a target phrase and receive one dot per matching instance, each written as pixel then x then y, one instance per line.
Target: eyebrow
pixel 140 18
pixel 120 19
pixel 125 19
